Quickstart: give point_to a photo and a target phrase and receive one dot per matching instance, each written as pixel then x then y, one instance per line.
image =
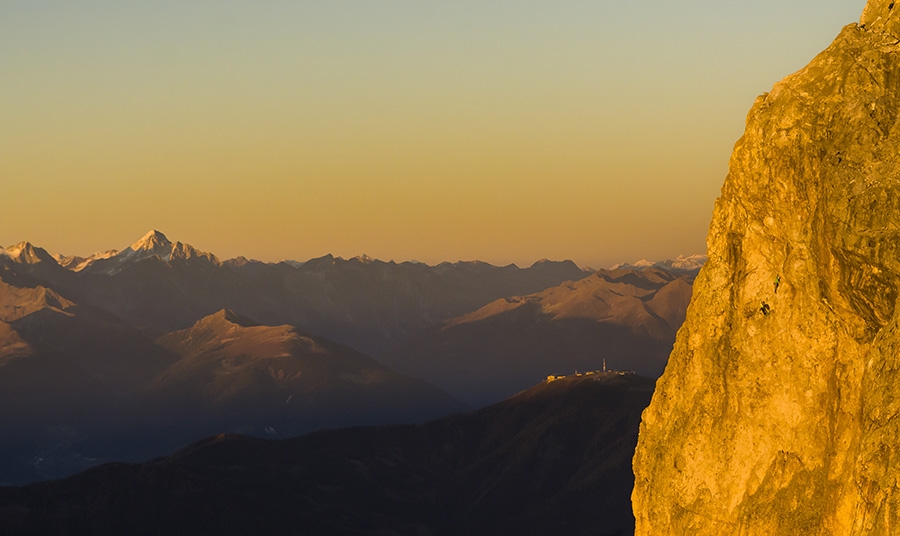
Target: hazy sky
pixel 505 131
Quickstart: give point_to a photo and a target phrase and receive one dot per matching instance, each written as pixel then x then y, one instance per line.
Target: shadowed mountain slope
pixel 67 379
pixel 17 302
pixel 78 386
pixel 627 317
pixel 552 460
pixel 237 376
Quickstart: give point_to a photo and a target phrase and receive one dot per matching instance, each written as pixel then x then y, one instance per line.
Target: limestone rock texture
pixel 788 423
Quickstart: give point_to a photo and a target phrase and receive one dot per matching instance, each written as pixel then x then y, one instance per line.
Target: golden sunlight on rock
pixel 777 411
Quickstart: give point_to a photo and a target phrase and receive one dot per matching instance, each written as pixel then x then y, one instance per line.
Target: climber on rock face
pixel 777 282
pixel 764 308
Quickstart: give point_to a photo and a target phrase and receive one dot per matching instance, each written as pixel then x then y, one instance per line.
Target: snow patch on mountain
pixel 77 264
pixel 152 244
pixel 26 253
pixel 682 263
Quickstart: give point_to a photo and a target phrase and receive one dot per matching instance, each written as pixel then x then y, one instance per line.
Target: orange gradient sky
pixel 502 131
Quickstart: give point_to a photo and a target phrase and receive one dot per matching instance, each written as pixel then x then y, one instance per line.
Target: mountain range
pixel 371 305
pixel 129 354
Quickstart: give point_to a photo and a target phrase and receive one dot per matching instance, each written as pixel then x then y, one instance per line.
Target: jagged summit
pixel 77 264
pixel 26 253
pixel 154 244
pixel 151 241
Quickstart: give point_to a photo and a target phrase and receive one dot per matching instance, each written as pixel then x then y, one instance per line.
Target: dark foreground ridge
pixel 555 459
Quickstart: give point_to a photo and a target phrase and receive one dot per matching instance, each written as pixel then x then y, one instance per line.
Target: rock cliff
pixel 785 422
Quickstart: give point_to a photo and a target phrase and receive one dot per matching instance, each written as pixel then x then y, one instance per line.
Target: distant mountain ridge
pixel 626 318
pixel 680 264
pixel 366 303
pixel 156 244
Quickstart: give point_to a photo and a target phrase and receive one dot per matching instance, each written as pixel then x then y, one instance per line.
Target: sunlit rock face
pixel 789 422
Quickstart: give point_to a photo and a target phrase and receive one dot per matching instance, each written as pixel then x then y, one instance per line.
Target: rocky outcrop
pixel 786 422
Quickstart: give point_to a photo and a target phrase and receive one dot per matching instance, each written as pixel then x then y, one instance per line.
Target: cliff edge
pixel 777 412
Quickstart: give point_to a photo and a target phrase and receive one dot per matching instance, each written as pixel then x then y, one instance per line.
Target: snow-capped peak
pixel 151 241
pixel 690 262
pixel 153 244
pixel 77 264
pixel 682 263
pixel 26 253
pixel 17 249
